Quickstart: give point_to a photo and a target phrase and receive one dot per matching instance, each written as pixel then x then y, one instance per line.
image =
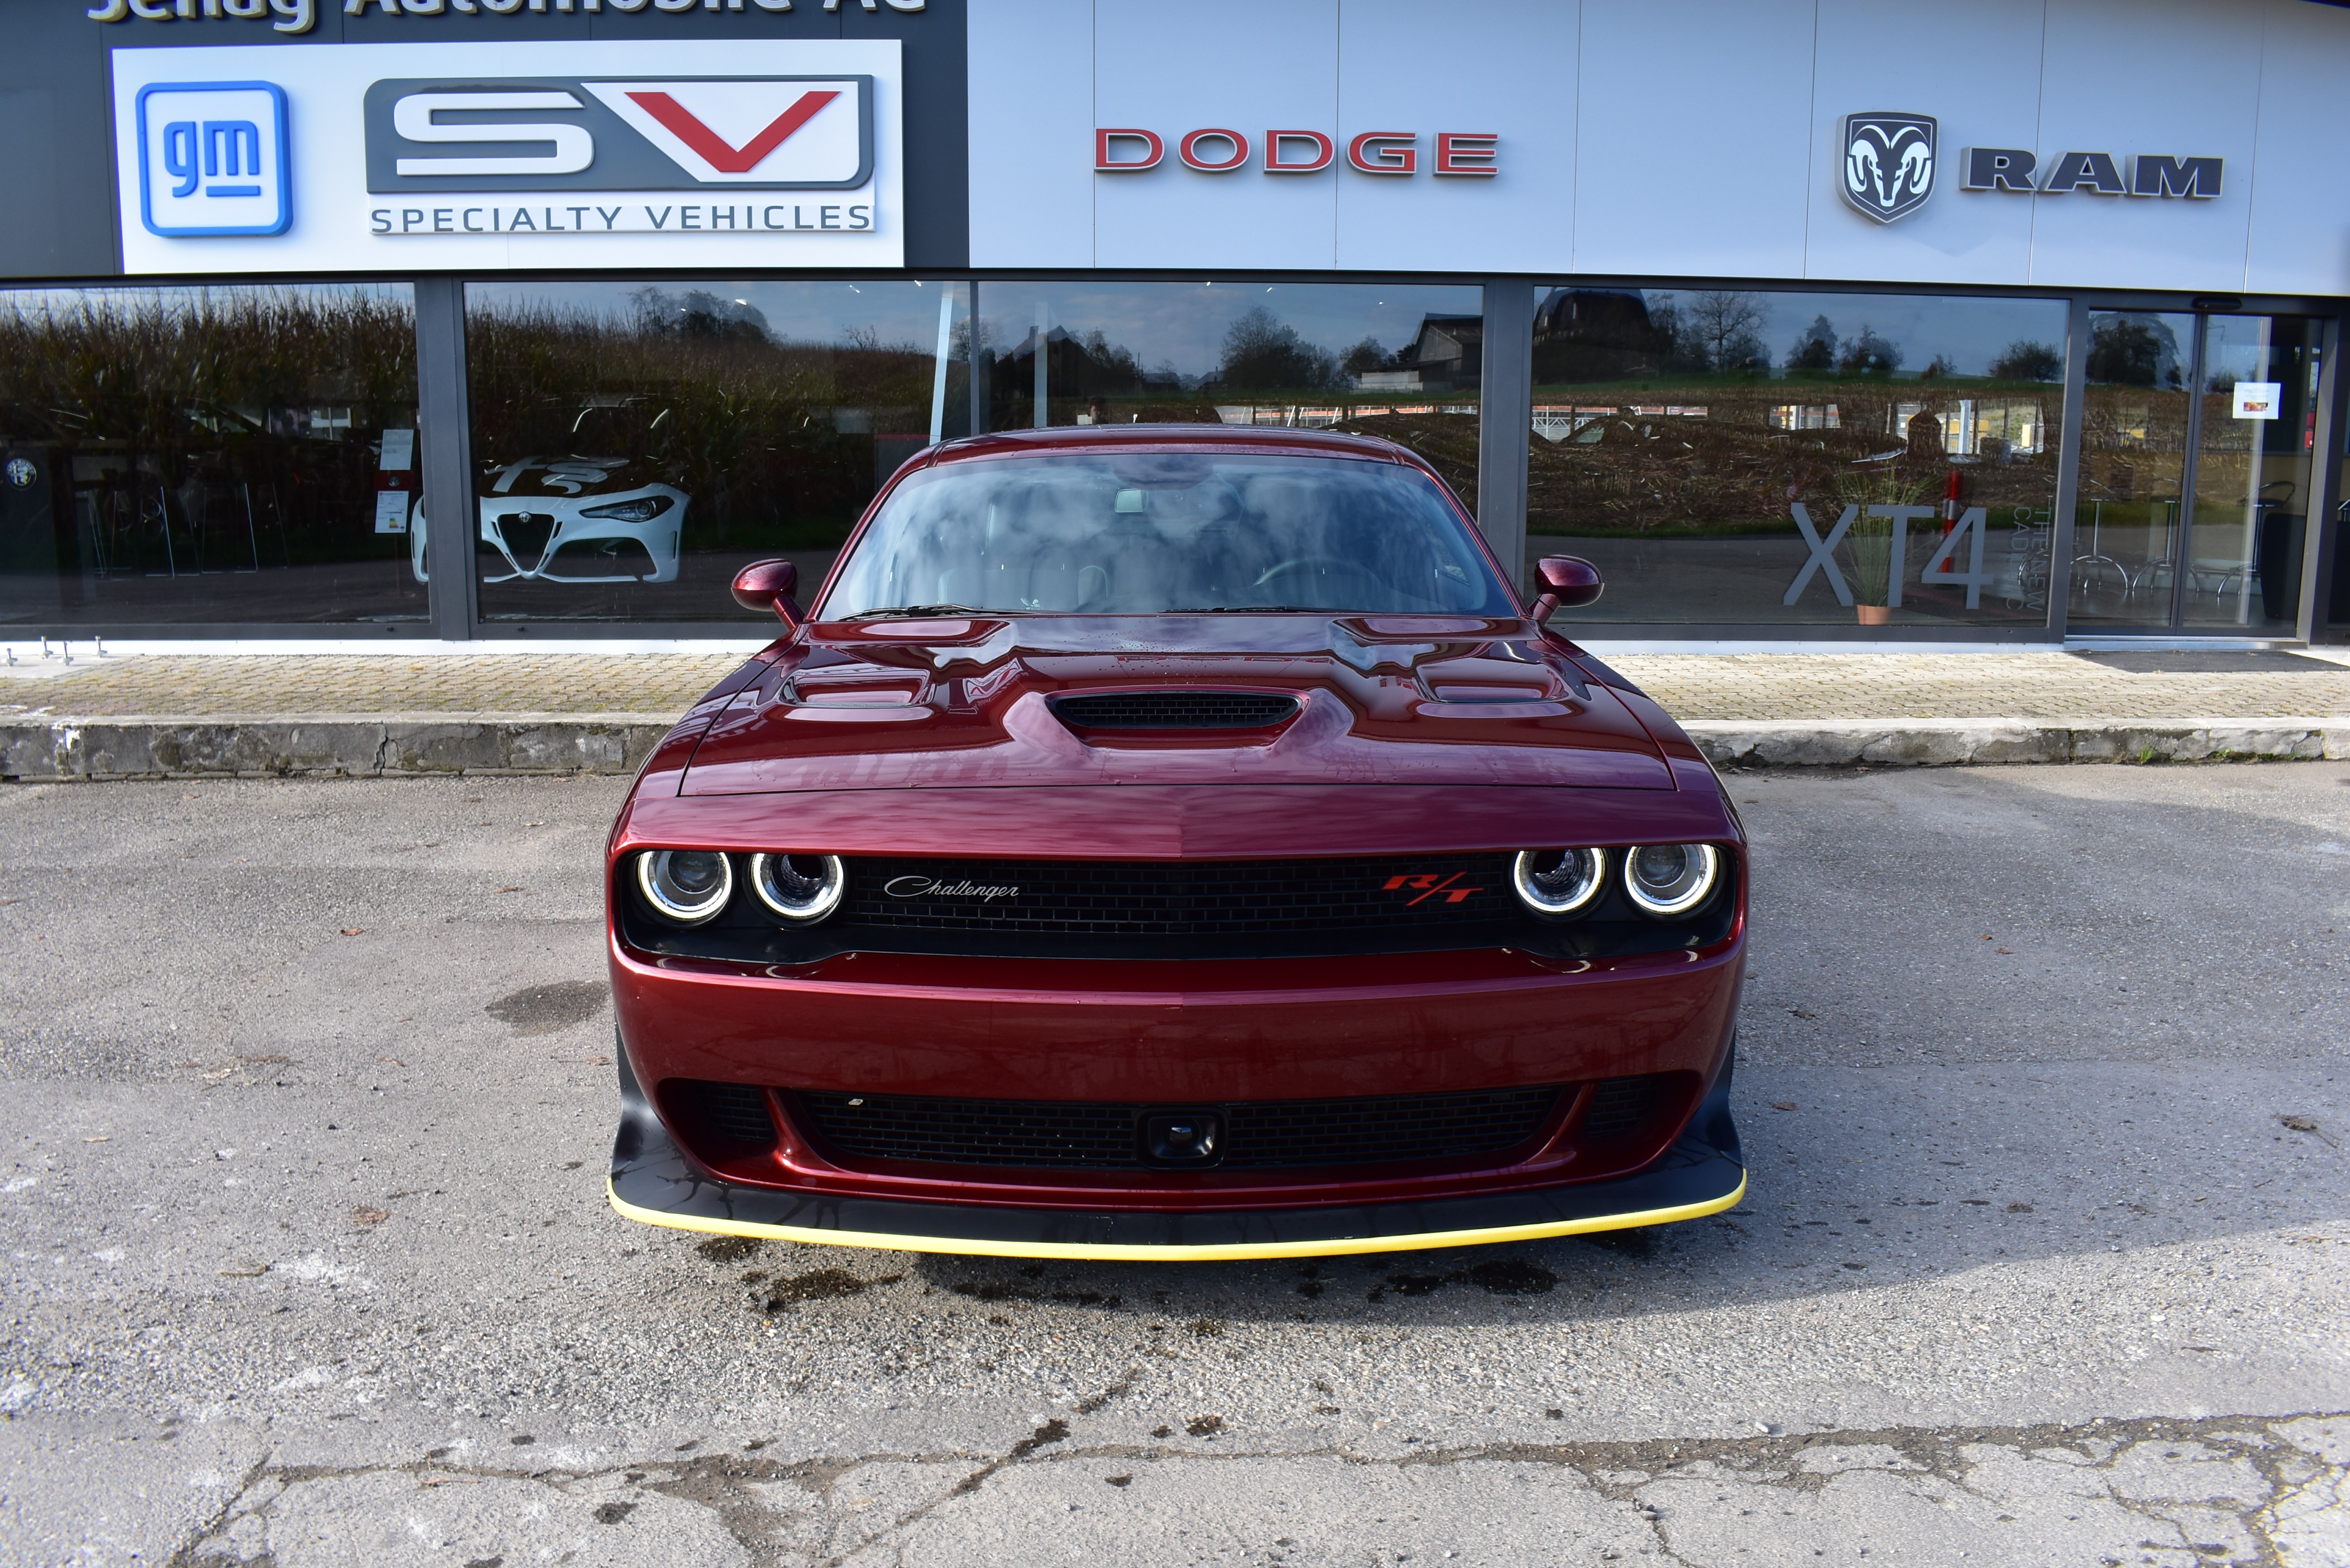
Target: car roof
pixel 1171 438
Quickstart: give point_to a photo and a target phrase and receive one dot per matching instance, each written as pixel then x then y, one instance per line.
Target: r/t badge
pixel 214 159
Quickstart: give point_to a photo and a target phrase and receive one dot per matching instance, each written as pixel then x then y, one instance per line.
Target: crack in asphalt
pixel 1620 1470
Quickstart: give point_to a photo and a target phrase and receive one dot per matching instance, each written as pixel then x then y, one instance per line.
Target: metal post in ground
pixel 2321 545
pixel 1505 417
pixel 442 429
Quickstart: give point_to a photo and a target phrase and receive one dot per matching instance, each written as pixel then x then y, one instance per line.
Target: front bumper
pixel 1703 1172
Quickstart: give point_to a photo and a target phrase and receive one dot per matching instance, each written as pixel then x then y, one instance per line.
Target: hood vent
pixel 1132 710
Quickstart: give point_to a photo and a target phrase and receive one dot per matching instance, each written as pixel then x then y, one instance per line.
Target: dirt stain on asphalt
pixel 556 1005
pixel 820 1284
pixel 1500 1277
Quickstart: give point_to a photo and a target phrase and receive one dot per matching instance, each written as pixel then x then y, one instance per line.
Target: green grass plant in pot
pixel 1868 543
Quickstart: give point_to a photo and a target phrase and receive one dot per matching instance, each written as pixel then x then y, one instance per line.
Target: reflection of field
pixel 701 592
pixel 1740 581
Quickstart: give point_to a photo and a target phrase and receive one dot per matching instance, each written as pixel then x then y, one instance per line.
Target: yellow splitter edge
pixel 1114 1252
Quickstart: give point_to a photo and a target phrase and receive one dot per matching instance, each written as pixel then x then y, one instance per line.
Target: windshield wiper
pixel 1250 610
pixel 916 612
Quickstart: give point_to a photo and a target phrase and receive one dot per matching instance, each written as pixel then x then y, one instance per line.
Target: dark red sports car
pixel 1170 842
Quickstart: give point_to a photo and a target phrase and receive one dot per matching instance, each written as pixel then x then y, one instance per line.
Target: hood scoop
pixel 1164 712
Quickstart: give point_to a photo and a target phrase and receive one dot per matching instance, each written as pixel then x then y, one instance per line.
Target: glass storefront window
pixel 2194 506
pixel 1737 457
pixel 2252 473
pixel 1403 361
pixel 636 444
pixel 231 454
pixel 2133 487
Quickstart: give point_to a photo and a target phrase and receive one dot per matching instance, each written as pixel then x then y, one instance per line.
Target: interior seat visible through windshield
pixel 1156 533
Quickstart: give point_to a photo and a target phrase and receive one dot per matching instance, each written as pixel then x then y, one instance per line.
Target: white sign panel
pixel 768 154
pixel 2258 400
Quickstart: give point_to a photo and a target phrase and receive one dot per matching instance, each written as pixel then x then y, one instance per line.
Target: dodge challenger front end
pixel 1167 843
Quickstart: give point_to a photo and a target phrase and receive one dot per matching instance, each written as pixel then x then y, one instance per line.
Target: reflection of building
pixel 1450 352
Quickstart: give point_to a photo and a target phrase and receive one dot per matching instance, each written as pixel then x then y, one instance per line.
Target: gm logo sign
pixel 558 134
pixel 213 158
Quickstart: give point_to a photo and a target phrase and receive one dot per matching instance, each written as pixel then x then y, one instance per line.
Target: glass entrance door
pixel 2136 429
pixel 2196 466
pixel 2242 569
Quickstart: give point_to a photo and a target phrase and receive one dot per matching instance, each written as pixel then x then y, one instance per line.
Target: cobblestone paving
pixel 280 684
pixel 2054 686
pixel 2046 686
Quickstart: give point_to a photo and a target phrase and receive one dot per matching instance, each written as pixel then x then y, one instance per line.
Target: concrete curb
pixel 387 745
pixel 1955 743
pixel 414 745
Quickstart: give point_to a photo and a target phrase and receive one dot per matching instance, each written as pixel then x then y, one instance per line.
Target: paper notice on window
pixel 2258 400
pixel 398 452
pixel 391 512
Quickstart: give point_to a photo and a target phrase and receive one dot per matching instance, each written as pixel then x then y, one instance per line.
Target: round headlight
pixel 1558 881
pixel 1670 878
pixel 804 888
pixel 686 886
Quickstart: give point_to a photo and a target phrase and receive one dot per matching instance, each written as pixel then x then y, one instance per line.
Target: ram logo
pixel 1889 163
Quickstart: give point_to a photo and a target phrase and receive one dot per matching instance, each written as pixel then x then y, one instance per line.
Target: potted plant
pixel 1868 543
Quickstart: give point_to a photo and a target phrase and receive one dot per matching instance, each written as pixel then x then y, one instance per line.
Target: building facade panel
pixel 1392 75
pixel 2126 83
pixel 1693 139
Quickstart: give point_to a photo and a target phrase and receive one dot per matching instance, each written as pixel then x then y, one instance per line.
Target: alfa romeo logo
pixel 21 473
pixel 1889 163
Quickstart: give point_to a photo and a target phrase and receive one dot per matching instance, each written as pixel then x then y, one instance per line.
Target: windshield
pixel 1166 533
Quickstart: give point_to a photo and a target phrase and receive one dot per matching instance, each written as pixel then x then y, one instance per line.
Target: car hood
pixel 977 702
pixel 563 478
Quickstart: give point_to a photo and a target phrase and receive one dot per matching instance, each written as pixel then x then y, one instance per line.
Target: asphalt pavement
pixel 2046 1257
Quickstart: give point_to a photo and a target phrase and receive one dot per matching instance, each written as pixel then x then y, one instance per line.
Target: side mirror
pixel 1568 580
pixel 768 585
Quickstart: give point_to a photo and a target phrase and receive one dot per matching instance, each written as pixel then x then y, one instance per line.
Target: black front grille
pixel 1622 1107
pixel 526 534
pixel 1159 909
pixel 1179 898
pixel 1257 1135
pixel 723 1121
pixel 1175 710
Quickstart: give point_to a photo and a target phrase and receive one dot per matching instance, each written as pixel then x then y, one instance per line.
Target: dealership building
pixel 1809 321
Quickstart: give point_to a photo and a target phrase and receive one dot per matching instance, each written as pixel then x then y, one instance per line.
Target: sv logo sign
pixel 556 134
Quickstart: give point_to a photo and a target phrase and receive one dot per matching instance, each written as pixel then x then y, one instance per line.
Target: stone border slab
pixel 414 745
pixel 371 746
pixel 1955 743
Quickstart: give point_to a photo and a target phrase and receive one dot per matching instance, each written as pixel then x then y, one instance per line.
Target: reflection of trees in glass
pixel 698 313
pixel 1816 350
pixel 159 370
pixel 2028 360
pixel 1262 352
pixel 773 439
pixel 1723 329
pixel 275 394
pixel 2134 350
pixel 1368 355
pixel 1870 354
